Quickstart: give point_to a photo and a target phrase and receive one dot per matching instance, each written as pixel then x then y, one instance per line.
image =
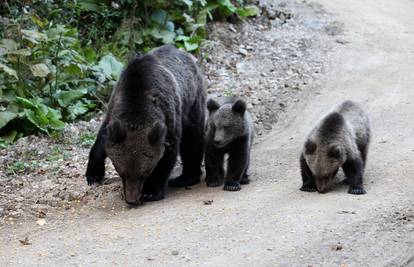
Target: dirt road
pixel 270 222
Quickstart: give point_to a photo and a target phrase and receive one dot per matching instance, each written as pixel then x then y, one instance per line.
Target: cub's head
pixel 227 121
pixel 324 160
pixel 134 154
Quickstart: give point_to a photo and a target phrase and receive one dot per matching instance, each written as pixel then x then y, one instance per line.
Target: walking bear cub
pixel 156 109
pixel 229 131
pixel 340 139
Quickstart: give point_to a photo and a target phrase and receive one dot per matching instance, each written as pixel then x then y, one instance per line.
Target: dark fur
pixel 337 144
pixel 237 147
pixel 160 100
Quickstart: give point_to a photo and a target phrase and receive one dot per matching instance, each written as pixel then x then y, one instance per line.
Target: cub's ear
pixel 310 147
pixel 212 105
pixel 239 106
pixel 157 134
pixel 116 131
pixel 335 152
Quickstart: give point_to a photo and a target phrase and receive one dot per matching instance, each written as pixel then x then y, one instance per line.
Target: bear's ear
pixel 310 147
pixel 157 134
pixel 212 105
pixel 116 131
pixel 335 152
pixel 239 106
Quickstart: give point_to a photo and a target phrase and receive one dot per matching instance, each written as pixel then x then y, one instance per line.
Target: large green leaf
pixel 8 70
pixel 247 11
pixel 110 66
pixel 40 70
pixel 33 36
pixel 66 98
pixel 5 117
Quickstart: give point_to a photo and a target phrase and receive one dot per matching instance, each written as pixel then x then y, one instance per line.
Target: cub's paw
pixel 233 186
pixel 182 181
pixel 214 182
pixel 357 190
pixel 308 188
pixel 94 179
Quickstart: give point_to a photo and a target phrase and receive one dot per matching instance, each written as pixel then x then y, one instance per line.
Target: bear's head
pixel 227 122
pixel 134 154
pixel 324 160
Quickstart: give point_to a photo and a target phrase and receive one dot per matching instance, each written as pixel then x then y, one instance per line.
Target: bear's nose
pixel 218 143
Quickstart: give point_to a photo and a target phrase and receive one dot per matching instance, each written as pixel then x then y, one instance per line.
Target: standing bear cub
pixel 340 139
pixel 229 131
pixel 156 109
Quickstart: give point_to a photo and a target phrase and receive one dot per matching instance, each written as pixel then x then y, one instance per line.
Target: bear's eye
pixel 226 127
pixel 146 155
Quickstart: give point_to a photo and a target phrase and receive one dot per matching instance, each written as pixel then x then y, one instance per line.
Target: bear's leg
pixel 353 169
pixel 245 178
pixel 96 163
pixel 237 165
pixel 154 185
pixel 214 160
pixel 191 150
pixel 308 180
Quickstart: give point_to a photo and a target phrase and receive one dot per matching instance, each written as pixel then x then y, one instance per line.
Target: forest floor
pixel 291 64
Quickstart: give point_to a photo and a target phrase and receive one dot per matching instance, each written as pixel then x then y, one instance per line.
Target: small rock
pixel 174 253
pixel 243 51
pixel 208 202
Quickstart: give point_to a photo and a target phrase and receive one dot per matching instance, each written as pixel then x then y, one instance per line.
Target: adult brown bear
pixel 156 109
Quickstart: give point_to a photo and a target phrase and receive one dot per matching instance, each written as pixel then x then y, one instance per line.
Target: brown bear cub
pixel 340 139
pixel 229 131
pixel 156 109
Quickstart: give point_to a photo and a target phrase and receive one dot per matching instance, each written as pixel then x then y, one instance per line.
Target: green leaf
pixel 5 117
pixel 89 5
pixel 40 70
pixel 227 5
pixel 77 109
pixel 20 52
pixel 8 70
pixel 189 3
pixel 247 11
pixel 165 36
pixel 74 69
pixel 33 36
pixel 65 98
pixel 90 54
pixel 39 22
pixel 190 46
pixel 159 16
pixel 9 44
pixel 110 66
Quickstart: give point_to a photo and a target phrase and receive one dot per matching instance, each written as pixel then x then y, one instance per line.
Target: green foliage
pixel 60 58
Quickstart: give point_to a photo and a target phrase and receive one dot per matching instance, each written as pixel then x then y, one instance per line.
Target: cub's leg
pixel 237 165
pixel 307 177
pixel 353 169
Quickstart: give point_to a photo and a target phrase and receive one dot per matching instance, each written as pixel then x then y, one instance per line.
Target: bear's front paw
pixel 357 190
pixel 233 186
pixel 182 181
pixel 94 179
pixel 214 182
pixel 151 196
pixel 245 180
pixel 308 188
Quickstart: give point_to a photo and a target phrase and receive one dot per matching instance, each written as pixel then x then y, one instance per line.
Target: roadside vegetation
pixel 59 59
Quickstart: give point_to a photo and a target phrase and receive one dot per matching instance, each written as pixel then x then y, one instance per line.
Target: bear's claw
pixel 307 188
pixel 232 187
